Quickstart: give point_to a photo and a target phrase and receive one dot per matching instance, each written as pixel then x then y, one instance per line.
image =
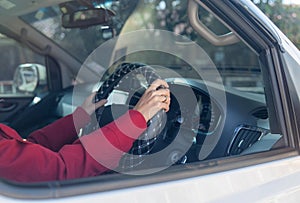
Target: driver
pixel 56 153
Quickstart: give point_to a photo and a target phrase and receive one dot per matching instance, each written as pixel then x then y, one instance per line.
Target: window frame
pixel 270 55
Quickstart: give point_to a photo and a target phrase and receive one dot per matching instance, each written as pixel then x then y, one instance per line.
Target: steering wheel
pixel 127 77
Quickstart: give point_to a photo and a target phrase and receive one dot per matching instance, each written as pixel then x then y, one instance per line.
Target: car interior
pixel 220 104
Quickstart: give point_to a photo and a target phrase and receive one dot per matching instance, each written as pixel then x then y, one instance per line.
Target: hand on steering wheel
pixel 90 106
pixel 155 98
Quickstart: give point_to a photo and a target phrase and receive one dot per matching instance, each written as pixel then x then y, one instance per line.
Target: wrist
pixel 82 116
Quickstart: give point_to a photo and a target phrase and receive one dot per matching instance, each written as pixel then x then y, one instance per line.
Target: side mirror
pixel 29 76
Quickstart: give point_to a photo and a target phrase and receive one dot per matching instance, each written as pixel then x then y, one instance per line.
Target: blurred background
pixel 285 14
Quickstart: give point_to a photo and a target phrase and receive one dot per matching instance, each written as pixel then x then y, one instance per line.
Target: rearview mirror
pixel 86 17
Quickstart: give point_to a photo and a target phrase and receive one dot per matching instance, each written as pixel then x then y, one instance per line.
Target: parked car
pixel 232 132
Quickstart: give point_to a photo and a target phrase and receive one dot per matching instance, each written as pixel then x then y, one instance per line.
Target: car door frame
pixel 197 174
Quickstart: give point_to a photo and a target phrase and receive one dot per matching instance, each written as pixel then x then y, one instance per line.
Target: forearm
pixel 90 155
pixel 28 162
pixel 114 139
pixel 61 132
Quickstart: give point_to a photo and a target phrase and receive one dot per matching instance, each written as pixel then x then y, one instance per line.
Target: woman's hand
pixel 89 106
pixel 155 98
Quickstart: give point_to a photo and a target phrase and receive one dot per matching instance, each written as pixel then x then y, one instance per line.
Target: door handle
pixel 6 106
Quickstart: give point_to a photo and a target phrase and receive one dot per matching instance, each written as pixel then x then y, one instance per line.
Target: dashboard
pixel 210 123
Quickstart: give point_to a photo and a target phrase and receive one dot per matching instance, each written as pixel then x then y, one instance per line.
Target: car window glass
pixel 22 71
pixel 48 21
pixel 236 66
pixel 219 98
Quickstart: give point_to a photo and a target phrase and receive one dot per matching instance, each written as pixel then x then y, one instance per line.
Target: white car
pixel 232 132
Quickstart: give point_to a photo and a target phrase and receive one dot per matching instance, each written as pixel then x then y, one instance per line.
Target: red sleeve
pixel 89 156
pixel 61 132
pixel 114 139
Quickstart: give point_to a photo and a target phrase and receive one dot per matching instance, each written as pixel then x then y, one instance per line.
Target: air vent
pixel 261 113
pixel 244 137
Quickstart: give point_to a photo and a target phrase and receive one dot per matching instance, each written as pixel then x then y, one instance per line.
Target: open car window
pixel 231 68
pixel 222 105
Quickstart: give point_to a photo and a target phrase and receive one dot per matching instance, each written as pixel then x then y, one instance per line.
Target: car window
pixel 231 64
pixel 23 71
pixel 232 60
pixel 220 105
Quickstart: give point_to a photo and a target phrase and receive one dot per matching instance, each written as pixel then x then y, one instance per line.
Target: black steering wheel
pixel 127 77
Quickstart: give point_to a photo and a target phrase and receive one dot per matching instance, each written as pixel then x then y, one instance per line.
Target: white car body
pixel 264 176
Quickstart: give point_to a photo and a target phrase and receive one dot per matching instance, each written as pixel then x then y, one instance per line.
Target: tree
pixel 285 17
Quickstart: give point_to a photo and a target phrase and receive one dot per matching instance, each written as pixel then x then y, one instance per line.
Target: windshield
pixel 236 63
pixel 79 42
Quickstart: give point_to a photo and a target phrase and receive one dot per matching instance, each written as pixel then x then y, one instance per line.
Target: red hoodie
pixel 56 153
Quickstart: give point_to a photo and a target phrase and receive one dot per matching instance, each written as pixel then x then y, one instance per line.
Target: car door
pixel 234 172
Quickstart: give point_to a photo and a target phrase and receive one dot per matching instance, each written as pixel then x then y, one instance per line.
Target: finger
pixel 162 101
pixel 159 95
pixel 165 92
pixel 91 96
pixel 158 92
pixel 166 103
pixel 163 98
pixel 100 103
pixel 165 106
pixel 158 83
